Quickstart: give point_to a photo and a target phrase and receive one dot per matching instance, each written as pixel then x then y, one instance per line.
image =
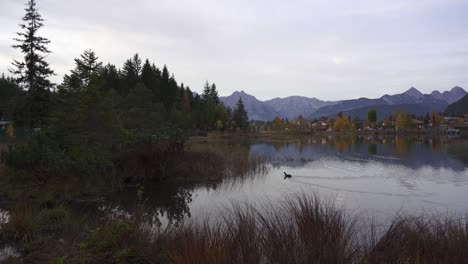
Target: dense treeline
pixel 91 122
pixel 143 98
pixel 141 95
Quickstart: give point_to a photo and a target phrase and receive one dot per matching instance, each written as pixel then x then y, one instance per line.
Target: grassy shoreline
pixel 300 229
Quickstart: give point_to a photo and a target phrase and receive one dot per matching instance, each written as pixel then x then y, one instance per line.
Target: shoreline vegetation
pixel 300 229
pixel 279 134
pixel 44 227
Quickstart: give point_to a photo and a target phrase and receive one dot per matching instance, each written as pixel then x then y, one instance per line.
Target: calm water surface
pixel 376 175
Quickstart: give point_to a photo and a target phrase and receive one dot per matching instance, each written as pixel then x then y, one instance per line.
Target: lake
pixel 375 175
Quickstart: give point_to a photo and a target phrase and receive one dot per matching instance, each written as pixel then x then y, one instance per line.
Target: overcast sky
pixel 330 49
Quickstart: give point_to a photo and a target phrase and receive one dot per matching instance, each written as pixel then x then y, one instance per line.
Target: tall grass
pixel 300 229
pixel 429 238
pixel 305 229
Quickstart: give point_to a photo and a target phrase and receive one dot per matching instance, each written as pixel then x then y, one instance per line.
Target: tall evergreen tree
pixel 206 92
pixel 168 89
pixel 240 116
pixel 147 75
pixel 150 76
pixel 86 67
pixel 165 74
pixel 111 77
pixel 372 115
pixel 132 71
pixel 34 72
pixel 214 94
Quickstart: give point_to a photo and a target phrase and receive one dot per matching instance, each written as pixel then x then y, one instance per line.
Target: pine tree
pixel 151 78
pixel 206 96
pixel 214 94
pixel 156 71
pixel 34 72
pixel 165 74
pixel 168 89
pixel 147 76
pixel 111 76
pixel 132 70
pixel 372 115
pixel 240 116
pixel 86 67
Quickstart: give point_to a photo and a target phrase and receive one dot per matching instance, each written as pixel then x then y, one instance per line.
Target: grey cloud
pixel 268 48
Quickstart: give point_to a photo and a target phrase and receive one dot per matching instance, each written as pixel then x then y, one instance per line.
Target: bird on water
pixel 287 175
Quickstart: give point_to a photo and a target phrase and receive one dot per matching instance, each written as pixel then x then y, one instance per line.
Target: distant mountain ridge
pixel 256 109
pixel 294 106
pixel 412 101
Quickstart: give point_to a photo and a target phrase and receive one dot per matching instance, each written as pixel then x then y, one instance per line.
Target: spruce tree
pixel 206 96
pixel 86 67
pixel 34 72
pixel 165 86
pixel 165 74
pixel 240 116
pixel 111 76
pixel 168 89
pixel 372 115
pixel 132 71
pixel 147 75
pixel 214 94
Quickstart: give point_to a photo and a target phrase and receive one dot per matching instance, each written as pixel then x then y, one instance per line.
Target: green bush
pixel 28 223
pixel 40 155
pixel 44 156
pixel 118 241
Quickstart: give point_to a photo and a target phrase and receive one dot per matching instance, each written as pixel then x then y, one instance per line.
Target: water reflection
pixel 410 151
pixel 169 202
pixel 382 173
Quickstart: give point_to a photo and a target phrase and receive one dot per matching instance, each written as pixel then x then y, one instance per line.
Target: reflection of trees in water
pixel 342 144
pixel 403 145
pixel 459 151
pixel 411 151
pixel 248 161
pixel 372 149
pixel 171 200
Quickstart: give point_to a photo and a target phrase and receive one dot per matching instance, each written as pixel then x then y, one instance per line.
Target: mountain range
pixel 412 101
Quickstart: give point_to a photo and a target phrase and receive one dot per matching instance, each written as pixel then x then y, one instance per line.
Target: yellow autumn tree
pixel 10 130
pixel 403 121
pixel 219 125
pixel 435 119
pixel 186 103
pixel 343 124
pixel 278 124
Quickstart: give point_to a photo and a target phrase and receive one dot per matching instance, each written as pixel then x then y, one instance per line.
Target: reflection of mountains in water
pixel 403 151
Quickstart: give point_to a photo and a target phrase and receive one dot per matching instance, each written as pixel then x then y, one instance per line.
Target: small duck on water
pixel 287 176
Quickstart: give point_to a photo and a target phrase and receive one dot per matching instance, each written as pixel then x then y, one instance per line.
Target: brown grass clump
pixel 305 229
pixel 423 239
pixel 302 230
